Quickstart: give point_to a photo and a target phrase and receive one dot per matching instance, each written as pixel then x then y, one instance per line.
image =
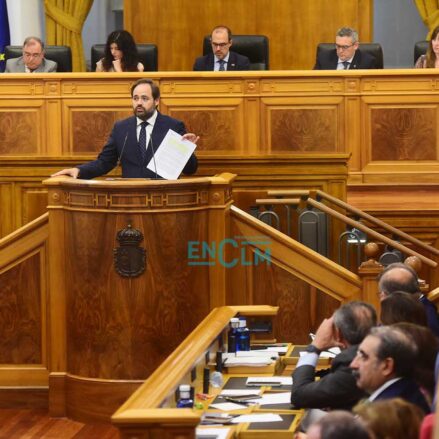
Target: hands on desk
pixel 72 172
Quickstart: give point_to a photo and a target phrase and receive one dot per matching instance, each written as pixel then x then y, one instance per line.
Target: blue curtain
pixel 4 33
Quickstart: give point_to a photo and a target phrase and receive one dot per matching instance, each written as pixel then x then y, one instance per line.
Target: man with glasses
pixel 33 60
pixel 346 55
pixel 221 58
pixel 384 367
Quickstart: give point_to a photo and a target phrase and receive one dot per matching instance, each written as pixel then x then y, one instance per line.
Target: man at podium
pixel 134 141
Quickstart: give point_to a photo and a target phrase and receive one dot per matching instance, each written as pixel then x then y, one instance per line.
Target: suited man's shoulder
pixel 14 65
pixel 326 60
pixel 238 61
pixel 364 60
pixel 49 65
pixel 202 63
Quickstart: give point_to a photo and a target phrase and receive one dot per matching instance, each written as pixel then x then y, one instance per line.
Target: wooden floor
pixel 36 424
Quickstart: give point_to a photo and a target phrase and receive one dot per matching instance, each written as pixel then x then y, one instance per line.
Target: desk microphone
pixel 153 157
pixel 123 149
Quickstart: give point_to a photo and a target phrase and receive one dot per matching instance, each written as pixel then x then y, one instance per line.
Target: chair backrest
pixel 421 48
pixel 62 55
pixel 148 56
pixel 373 49
pixel 254 47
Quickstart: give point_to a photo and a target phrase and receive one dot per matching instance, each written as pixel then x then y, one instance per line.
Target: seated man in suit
pixel 384 368
pixel 346 54
pixel 33 60
pixel 133 140
pixel 222 58
pixel 336 388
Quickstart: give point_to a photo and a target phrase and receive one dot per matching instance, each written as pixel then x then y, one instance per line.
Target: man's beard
pixel 145 115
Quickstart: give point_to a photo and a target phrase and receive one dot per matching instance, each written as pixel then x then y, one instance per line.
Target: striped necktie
pixel 221 65
pixel 142 141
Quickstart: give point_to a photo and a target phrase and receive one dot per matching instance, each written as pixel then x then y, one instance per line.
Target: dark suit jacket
pixel 131 160
pixel 406 389
pixel 336 389
pixel 328 60
pixel 432 316
pixel 236 62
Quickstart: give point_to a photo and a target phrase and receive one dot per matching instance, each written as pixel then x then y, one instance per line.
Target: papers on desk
pixel 258 353
pixel 239 392
pixel 274 398
pixel 269 381
pixel 263 417
pixel 228 406
pixel 330 353
pixel 211 433
pixel 231 360
pixel 171 156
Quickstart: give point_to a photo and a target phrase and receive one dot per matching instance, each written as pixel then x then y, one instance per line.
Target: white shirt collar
pixel 226 58
pixel 151 120
pixel 381 389
pixel 348 60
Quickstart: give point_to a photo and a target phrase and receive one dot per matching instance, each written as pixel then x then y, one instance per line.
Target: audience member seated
pixel 402 307
pixel 221 58
pixel 428 348
pixel 430 59
pixel 346 55
pixel 383 367
pixel 401 277
pixel 120 54
pixel 33 60
pixel 336 388
pixel 391 418
pixel 338 425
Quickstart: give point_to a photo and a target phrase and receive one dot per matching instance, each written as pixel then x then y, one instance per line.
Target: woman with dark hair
pixel 120 54
pixel 431 59
pixel 402 307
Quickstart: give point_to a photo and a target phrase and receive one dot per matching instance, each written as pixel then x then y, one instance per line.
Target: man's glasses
pixel 32 55
pixel 220 45
pixel 338 47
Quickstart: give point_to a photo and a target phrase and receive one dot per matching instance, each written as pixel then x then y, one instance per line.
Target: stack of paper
pixel 269 381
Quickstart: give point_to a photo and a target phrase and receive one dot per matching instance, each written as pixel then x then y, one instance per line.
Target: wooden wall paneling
pixel 297 125
pixel 294 27
pixel 31 201
pixel 22 124
pixel 88 123
pixel 54 140
pixel 7 217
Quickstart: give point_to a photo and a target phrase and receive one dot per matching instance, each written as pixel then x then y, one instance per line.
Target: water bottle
pixel 216 377
pixel 232 336
pixel 243 338
pixel 185 400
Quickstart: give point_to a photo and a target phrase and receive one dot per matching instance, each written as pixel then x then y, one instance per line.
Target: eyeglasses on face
pixel 339 47
pixel 220 45
pixel 32 55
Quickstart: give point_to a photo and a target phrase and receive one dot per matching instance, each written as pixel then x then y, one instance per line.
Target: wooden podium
pixel 108 331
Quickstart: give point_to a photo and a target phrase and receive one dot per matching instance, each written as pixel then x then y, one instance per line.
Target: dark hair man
pixel 221 58
pixel 346 55
pixel 132 140
pixel 336 388
pixel 401 277
pixel 383 367
pixel 32 60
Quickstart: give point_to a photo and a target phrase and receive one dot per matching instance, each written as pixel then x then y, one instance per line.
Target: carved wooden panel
pixel 220 128
pixel 91 128
pixel 404 133
pixel 303 130
pixel 124 328
pixel 20 313
pixel 20 132
pixel 33 202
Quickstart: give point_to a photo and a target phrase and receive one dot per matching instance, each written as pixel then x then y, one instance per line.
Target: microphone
pixel 123 149
pixel 153 157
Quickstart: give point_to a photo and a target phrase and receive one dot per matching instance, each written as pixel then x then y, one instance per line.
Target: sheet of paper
pixel 324 354
pixel 264 353
pixel 238 392
pixel 171 156
pixel 265 417
pixel 247 361
pixel 284 381
pixel 227 406
pixel 217 433
pixel 274 398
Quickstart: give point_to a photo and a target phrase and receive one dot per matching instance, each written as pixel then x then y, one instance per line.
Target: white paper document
pixel 266 354
pixel 247 361
pixel 269 381
pixel 274 398
pixel 228 406
pixel 266 417
pixel 239 392
pixel 171 156
pixel 209 432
